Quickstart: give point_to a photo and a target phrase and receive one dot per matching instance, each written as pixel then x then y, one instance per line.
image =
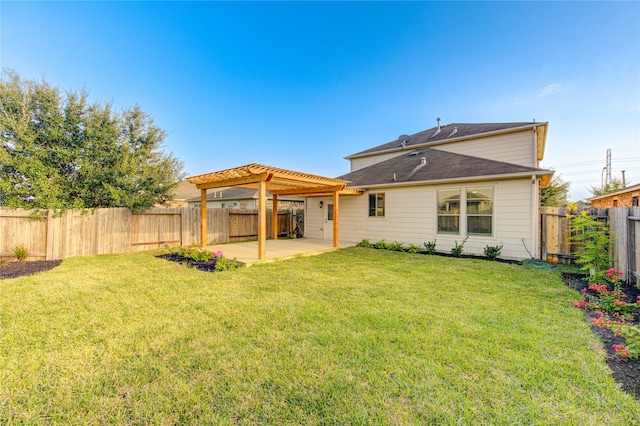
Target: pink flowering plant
pixel 606 300
pixel 614 313
pixel 632 335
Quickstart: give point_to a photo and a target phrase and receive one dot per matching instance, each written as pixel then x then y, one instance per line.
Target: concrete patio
pixel 247 251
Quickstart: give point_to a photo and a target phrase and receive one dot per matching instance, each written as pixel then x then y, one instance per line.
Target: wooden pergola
pixel 278 182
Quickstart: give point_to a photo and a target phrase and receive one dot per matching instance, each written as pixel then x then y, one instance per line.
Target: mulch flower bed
pixel 21 269
pixel 625 371
pixel 209 266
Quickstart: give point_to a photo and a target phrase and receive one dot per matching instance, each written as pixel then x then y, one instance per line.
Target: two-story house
pixel 444 184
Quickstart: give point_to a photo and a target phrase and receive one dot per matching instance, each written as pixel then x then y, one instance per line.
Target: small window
pixel 449 211
pixel 329 211
pixel 376 205
pixel 479 210
pixel 243 205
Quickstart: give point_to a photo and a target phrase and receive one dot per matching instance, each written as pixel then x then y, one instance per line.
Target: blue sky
pixel 300 85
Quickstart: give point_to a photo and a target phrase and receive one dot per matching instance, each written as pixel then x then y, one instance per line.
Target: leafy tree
pixel 556 193
pixel 59 151
pixel 613 186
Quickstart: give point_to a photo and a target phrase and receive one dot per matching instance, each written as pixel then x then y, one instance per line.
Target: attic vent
pixel 404 139
pixel 423 161
pixel 414 154
pixel 455 130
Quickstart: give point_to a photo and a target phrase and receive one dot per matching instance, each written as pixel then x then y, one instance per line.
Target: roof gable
pixel 428 164
pixel 447 133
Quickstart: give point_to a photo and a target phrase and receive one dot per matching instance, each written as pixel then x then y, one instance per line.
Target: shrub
pixel 395 246
pixel 21 253
pixel 381 245
pixel 364 243
pixel 492 252
pixel 457 249
pixel 593 241
pixel 632 334
pixel 414 248
pixel 430 246
pixel 223 264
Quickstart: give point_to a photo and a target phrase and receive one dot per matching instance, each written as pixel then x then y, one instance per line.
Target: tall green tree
pixel 59 151
pixel 614 185
pixel 555 194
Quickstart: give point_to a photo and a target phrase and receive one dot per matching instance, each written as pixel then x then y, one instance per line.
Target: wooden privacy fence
pixel 624 227
pixel 49 236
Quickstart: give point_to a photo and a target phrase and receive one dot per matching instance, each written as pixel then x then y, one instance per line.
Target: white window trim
pixel 463 211
pixel 385 205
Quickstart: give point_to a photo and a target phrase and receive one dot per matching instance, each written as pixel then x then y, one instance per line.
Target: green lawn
pixel 357 336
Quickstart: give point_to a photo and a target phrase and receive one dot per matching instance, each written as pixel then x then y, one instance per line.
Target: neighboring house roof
pixel 437 166
pixel 626 190
pixel 451 132
pixel 185 190
pixel 235 193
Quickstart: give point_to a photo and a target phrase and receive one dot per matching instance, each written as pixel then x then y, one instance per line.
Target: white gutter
pixel 445 141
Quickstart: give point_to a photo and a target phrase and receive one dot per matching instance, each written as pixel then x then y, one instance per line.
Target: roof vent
pixel 423 161
pixel 438 123
pixel 404 139
pixel 455 130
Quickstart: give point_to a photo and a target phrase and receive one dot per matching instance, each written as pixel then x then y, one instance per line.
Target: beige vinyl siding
pixel 516 148
pixel 410 217
pixel 361 163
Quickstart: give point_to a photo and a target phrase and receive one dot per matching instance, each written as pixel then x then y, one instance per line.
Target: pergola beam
pixel 235 181
pixel 311 190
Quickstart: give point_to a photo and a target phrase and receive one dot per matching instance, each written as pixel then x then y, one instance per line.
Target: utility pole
pixel 608 166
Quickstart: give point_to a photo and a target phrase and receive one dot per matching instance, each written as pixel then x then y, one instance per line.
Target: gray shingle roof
pixel 447 132
pixel 439 165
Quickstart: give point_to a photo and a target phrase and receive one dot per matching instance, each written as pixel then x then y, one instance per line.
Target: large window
pixel 449 211
pixel 479 210
pixel 376 205
pixel 473 204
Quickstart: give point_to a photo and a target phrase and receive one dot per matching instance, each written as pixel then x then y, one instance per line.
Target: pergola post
pixel 203 218
pixel 274 217
pixel 262 220
pixel 336 210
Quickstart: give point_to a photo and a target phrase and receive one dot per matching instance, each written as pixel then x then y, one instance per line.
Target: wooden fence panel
pixel 634 244
pixel 23 228
pixel 618 226
pixel 52 236
pixel 155 228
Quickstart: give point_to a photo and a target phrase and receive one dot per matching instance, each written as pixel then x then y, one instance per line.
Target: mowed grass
pixel 357 336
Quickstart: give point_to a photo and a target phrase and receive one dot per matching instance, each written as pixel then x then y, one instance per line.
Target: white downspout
pixel 535 144
pixel 534 217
